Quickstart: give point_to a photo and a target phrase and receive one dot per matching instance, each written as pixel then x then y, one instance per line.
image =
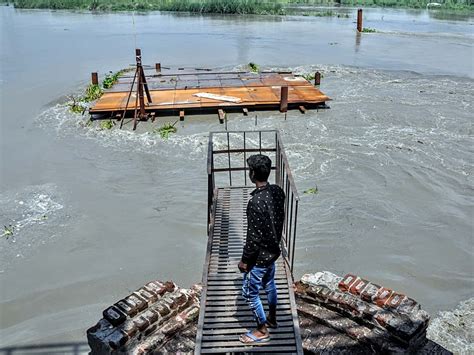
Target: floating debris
pixel 313 190
pixel 8 231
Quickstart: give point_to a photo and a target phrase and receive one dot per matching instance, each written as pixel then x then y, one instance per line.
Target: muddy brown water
pixel 98 213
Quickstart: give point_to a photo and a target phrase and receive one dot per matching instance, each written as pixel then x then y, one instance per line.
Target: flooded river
pixel 95 214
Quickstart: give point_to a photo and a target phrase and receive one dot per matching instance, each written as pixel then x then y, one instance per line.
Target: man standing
pixel 265 216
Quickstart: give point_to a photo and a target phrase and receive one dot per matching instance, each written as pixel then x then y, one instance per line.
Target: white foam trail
pixel 29 217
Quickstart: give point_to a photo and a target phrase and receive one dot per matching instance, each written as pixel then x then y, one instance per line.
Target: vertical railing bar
pixel 290 223
pixel 260 141
pixel 210 175
pixel 277 160
pixel 228 157
pixel 285 208
pixel 245 161
pixel 287 190
pixel 294 238
pixel 282 172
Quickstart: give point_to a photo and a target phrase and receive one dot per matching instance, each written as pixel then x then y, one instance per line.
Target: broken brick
pixel 347 282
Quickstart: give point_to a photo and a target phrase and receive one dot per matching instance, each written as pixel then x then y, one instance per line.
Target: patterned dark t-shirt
pixel 265 216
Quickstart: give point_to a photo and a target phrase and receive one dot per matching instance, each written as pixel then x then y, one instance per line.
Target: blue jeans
pixel 259 277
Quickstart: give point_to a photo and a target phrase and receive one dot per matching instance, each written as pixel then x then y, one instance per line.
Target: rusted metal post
pixel 317 79
pixel 138 54
pixel 158 67
pixel 359 20
pixel 284 99
pixel 94 78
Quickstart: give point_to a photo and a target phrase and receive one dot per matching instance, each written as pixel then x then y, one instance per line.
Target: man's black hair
pixel 260 165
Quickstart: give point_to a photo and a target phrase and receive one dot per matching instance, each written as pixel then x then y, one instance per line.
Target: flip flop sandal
pixel 254 339
pixel 271 325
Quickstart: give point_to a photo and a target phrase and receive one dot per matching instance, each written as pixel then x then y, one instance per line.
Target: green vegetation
pixel 273 7
pixel 93 92
pixel 255 68
pixel 327 13
pixel 76 105
pixel 459 5
pixel 309 76
pixel 111 78
pixel 311 191
pixel 198 6
pixel 8 231
pixel 368 30
pixel 165 130
pixel 107 124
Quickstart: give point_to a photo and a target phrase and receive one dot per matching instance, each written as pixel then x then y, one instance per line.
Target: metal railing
pixel 227 167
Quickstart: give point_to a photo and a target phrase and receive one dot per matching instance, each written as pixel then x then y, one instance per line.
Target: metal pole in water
pixel 359 20
pixel 317 79
pixel 284 99
pixel 94 78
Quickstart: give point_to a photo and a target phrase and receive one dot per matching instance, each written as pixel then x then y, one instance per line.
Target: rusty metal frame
pixel 283 178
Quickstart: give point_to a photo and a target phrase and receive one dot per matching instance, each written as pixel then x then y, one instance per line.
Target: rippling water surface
pixel 96 213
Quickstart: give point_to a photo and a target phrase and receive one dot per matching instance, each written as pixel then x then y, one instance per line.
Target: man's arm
pixel 251 250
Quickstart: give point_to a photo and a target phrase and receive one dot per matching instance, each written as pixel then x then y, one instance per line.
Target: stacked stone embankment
pixel 148 320
pixel 367 312
pixel 337 315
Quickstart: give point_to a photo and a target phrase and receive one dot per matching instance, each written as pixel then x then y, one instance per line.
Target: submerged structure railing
pixel 227 167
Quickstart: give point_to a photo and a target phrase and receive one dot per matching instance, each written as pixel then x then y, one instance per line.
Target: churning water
pixel 96 213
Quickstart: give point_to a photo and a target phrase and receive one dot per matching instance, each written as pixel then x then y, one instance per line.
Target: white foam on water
pixel 29 218
pixel 454 329
pixel 65 123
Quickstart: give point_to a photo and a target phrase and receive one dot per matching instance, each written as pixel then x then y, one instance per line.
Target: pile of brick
pixel 147 320
pixel 369 313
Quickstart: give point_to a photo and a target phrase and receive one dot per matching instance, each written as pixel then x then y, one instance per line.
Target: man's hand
pixel 243 267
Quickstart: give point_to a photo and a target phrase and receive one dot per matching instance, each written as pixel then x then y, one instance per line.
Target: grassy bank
pixel 197 6
pixel 275 7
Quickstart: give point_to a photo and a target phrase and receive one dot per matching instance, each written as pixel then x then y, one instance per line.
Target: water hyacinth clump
pixel 255 68
pixel 107 124
pixel 311 191
pixel 93 92
pixel 111 78
pixel 165 130
pixel 369 30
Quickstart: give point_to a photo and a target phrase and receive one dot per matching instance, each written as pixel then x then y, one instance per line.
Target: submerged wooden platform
pixel 188 91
